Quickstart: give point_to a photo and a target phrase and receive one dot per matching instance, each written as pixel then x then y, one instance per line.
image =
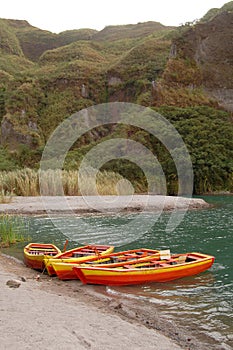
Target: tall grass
pixel 5 196
pixel 106 183
pixel 12 229
pixel 25 182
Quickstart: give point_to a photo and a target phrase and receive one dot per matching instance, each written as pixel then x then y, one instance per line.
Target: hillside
pixel 216 11
pixel 34 42
pixel 185 73
pixel 130 31
pixel 69 77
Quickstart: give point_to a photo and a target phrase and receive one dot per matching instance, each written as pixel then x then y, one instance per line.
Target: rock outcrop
pixel 210 45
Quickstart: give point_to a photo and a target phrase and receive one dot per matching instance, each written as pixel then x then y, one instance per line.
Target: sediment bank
pixel 94 204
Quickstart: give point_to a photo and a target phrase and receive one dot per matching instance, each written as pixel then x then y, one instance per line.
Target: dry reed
pixel 25 182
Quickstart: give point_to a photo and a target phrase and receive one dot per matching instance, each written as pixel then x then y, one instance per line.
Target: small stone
pixel 115 305
pixel 224 347
pixel 118 306
pixel 230 337
pixel 23 279
pixel 13 283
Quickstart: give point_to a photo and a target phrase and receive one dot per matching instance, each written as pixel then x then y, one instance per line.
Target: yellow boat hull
pixel 64 268
pixel 35 253
pixel 69 257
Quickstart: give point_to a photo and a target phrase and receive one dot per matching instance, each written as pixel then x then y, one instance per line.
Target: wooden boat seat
pixel 128 266
pixel 182 259
pixel 192 257
pixel 164 264
pixel 81 254
pixel 40 252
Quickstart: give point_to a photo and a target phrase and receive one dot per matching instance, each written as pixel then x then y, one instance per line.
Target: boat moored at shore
pixel 34 254
pixel 64 268
pixel 77 255
pixel 179 266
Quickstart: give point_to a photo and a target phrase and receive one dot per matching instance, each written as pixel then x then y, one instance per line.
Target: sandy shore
pixel 48 313
pixel 91 204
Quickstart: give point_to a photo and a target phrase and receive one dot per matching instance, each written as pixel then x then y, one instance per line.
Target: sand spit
pixel 94 204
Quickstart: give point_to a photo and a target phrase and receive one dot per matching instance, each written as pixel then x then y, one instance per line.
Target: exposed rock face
pixel 211 46
pixel 224 96
pixel 113 81
pixel 12 136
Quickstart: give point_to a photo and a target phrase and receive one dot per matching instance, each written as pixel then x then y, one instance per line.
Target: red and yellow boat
pixel 64 268
pixel 34 254
pixel 77 255
pixel 179 266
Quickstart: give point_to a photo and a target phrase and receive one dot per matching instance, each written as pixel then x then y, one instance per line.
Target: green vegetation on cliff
pixel 9 43
pixel 208 135
pixel 184 73
pixel 216 11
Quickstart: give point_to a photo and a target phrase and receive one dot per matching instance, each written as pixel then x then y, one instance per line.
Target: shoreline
pixel 96 318
pixel 85 316
pixel 99 204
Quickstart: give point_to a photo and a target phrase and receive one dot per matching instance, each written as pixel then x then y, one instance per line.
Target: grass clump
pixel 23 182
pixel 5 196
pixel 13 229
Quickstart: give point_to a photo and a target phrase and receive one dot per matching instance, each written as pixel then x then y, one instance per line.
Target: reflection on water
pixel 203 301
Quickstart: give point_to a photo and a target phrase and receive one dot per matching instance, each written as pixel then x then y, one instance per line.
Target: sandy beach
pixel 46 313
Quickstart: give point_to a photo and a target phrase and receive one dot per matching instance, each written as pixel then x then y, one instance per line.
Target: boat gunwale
pixel 206 259
pixel 91 247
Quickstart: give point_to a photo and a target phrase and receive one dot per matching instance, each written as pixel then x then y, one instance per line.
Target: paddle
pixel 65 246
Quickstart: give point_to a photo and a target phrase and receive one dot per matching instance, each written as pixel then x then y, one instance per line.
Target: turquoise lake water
pixel 206 300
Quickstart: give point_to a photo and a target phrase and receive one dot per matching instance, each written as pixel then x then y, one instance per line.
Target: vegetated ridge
pixel 184 73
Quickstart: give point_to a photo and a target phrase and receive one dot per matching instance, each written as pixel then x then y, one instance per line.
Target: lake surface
pixel 205 300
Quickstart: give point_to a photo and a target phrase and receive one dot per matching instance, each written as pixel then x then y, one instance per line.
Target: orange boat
pixel 34 254
pixel 77 255
pixel 179 266
pixel 64 268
